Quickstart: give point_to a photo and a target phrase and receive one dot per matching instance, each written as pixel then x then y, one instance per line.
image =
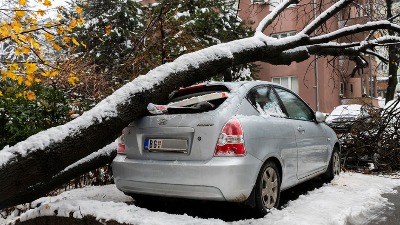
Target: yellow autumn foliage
pixel 31 67
pixel 47 3
pixel 108 29
pixel 22 2
pixel 72 80
pixel 75 42
pixel 25 27
pixel 30 95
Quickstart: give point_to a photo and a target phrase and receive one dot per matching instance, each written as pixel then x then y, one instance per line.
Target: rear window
pixel 200 98
pixel 196 90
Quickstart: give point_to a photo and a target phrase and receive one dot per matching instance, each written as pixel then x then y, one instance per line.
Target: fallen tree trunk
pixel 95 160
pixel 35 161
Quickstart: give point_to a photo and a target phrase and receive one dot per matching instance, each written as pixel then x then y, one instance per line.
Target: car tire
pixel 268 188
pixel 333 167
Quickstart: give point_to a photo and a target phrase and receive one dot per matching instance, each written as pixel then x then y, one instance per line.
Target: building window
pixel 383 67
pixel 342 88
pixel 382 94
pixel 274 3
pixel 284 34
pixel 258 1
pixel 291 83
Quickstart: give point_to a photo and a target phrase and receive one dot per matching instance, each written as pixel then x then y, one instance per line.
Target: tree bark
pixel 393 59
pixel 40 189
pixel 392 74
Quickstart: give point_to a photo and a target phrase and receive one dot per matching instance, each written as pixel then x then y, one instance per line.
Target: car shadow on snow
pixel 220 210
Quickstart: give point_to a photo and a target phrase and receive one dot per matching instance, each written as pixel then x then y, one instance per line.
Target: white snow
pixel 107 150
pixel 350 197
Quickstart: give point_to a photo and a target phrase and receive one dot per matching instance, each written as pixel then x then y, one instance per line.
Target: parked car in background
pixel 343 117
pixel 226 141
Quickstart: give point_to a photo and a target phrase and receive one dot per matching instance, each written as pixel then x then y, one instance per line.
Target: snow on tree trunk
pixel 35 161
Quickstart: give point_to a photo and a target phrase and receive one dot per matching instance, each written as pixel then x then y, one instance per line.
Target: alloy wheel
pixel 336 163
pixel 270 188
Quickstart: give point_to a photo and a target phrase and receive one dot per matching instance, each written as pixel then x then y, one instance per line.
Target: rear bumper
pixel 221 178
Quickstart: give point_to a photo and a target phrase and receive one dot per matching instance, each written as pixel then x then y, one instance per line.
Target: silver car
pixel 237 142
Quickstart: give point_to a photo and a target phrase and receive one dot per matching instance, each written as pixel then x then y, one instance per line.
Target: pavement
pixel 389 215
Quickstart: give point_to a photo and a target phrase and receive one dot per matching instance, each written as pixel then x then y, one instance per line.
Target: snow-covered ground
pixel 351 197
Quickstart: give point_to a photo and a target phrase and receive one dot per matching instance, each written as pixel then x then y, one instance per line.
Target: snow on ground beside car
pixel 351 197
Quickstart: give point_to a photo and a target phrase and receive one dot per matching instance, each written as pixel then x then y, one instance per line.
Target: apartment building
pixel 323 82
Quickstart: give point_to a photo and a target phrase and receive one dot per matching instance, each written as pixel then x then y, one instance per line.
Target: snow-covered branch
pixel 324 16
pixel 274 14
pixel 355 29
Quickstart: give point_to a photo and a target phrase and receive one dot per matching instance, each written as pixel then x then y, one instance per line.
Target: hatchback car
pixel 227 141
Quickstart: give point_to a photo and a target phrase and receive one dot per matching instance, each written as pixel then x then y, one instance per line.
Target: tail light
pixel 121 144
pixel 230 141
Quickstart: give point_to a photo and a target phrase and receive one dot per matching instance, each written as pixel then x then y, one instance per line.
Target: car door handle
pixel 301 129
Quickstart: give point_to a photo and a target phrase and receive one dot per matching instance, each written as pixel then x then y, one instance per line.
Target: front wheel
pixel 267 190
pixel 333 167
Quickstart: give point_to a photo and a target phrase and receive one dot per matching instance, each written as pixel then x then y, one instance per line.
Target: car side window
pixel 295 107
pixel 265 101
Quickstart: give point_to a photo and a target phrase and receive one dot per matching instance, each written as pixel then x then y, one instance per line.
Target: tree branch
pixel 323 17
pixel 274 14
pixel 354 29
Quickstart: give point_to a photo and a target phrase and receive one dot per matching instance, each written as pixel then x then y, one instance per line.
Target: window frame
pixel 289 82
pixel 258 2
pixel 278 2
pixel 273 87
pixel 248 97
pixel 313 119
pixel 286 33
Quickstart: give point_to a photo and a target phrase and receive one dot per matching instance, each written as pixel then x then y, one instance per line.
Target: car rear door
pixel 312 141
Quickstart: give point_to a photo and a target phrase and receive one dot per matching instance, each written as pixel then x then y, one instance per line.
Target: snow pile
pixel 350 197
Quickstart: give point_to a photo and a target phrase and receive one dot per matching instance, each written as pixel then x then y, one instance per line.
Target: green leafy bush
pixel 24 112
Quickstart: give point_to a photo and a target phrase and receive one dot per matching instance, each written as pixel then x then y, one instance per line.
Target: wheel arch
pixel 337 145
pixel 278 164
pixel 251 199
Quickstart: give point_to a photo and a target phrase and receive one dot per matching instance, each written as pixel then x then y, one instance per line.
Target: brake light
pixel 230 141
pixel 191 87
pixel 121 144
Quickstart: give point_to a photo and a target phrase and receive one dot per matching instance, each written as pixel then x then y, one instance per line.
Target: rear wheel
pixel 334 166
pixel 267 190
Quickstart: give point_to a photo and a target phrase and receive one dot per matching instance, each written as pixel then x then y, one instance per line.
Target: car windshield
pixel 347 110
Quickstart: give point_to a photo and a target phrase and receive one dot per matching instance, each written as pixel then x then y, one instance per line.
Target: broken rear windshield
pixel 195 99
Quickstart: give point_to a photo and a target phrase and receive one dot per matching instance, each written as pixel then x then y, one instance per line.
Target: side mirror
pixel 320 117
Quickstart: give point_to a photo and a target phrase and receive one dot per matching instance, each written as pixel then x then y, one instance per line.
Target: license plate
pixel 153 144
pixel 165 145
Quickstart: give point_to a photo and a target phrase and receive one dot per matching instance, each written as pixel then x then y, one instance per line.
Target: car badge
pixel 162 121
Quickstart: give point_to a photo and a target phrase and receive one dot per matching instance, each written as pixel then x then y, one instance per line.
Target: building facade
pixel 323 82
